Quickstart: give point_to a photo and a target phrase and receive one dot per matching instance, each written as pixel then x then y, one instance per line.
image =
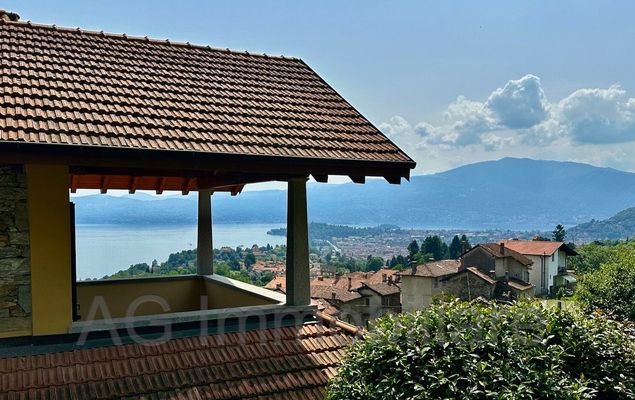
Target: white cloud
pixel 519 104
pixel 517 120
pixel 598 115
pixel 397 126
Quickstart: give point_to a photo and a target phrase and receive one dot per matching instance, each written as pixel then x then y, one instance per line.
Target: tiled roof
pixel 536 247
pixel 519 284
pixel 278 283
pixel 434 268
pixel 473 271
pixel 495 250
pixel 378 276
pixel 477 272
pixel 72 87
pixel 336 288
pixel 383 288
pixel 277 363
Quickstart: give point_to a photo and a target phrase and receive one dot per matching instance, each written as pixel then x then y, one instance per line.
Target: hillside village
pixel 359 290
pixel 504 270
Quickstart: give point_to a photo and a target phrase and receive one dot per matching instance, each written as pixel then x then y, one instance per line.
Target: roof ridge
pixel 146 39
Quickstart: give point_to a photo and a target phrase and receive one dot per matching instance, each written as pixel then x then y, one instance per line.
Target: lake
pixel 106 249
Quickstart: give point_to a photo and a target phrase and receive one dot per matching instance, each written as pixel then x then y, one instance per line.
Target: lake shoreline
pixel 104 249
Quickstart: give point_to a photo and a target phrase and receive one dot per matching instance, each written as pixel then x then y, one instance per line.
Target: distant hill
pixel 518 194
pixel 619 226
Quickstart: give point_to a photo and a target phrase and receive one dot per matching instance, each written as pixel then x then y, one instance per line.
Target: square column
pixel 204 255
pixel 298 288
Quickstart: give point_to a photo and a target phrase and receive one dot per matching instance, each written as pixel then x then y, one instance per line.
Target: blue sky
pixel 452 82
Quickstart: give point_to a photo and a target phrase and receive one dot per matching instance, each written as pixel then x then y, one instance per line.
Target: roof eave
pixel 109 157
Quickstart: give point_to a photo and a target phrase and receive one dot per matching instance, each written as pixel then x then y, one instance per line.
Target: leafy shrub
pixel 458 350
pixel 611 287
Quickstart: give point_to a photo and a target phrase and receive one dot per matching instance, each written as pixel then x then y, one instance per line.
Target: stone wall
pixel 459 286
pixel 480 259
pixel 15 275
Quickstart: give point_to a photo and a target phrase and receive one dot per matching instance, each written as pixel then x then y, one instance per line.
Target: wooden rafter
pixel 104 184
pixel 74 183
pixel 395 180
pixel 358 179
pixel 187 186
pixel 133 184
pixel 161 185
pixel 321 178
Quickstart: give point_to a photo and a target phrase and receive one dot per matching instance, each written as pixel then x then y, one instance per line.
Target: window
pixel 366 301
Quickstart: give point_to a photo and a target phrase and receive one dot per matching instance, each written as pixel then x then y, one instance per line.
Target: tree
pixel 592 255
pixel 611 287
pixel 559 234
pixel 455 249
pixel 466 243
pixel 374 263
pixel 250 260
pixel 435 246
pixel 221 269
pixel 460 350
pixel 413 249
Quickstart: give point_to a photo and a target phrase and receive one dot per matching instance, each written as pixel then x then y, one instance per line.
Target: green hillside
pixel 620 226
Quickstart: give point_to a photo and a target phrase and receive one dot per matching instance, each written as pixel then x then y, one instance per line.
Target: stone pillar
pixel 15 271
pixel 298 288
pixel 204 256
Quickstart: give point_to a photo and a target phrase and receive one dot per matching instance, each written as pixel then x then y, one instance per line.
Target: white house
pixel 549 260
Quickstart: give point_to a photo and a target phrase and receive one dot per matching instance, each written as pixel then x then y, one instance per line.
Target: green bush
pixel 458 350
pixel 611 287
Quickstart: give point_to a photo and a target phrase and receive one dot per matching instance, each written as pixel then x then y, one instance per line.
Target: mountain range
pixel 511 193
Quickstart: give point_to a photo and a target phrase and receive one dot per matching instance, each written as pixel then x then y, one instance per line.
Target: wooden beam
pixel 321 178
pixel 187 186
pixel 394 180
pixel 133 185
pixel 74 181
pixel 178 161
pixel 104 184
pixel 236 190
pixel 161 185
pixel 358 179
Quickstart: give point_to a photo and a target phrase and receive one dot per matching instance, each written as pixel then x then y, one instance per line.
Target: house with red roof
pixel 549 261
pixel 531 267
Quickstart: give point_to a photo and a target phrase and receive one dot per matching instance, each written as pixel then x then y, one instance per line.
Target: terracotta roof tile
pixel 434 268
pixel 68 86
pixel 507 251
pixel 291 361
pixel 536 247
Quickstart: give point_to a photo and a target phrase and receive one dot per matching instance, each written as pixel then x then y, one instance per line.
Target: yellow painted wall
pixel 223 296
pixel 49 223
pixel 180 294
pixel 118 296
